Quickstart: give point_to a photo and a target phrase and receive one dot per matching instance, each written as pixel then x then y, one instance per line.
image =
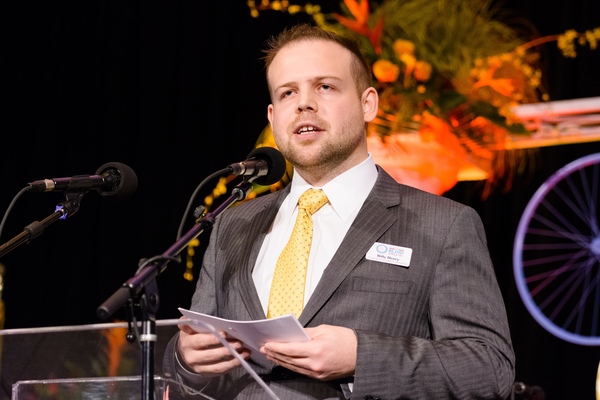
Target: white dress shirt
pixel 346 194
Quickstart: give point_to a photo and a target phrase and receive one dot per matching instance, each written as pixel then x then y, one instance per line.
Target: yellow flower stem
pixel 539 41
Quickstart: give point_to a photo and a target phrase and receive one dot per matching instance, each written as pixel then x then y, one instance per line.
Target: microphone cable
pixel 10 207
pixel 195 194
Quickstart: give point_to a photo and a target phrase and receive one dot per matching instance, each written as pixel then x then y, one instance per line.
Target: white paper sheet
pixel 254 334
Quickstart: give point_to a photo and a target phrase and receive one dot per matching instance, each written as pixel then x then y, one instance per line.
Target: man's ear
pixel 270 114
pixel 370 104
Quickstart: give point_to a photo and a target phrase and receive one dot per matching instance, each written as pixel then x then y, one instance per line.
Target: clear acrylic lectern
pixel 78 362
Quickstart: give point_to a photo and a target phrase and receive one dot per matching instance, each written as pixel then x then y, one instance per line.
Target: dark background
pixel 175 90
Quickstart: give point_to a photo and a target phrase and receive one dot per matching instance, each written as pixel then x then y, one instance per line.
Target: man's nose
pixel 307 102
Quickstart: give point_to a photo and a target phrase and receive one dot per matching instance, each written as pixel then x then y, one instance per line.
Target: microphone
pixel 112 180
pixel 265 166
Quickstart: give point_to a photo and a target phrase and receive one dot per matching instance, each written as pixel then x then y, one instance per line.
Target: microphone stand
pixel 145 281
pixel 36 228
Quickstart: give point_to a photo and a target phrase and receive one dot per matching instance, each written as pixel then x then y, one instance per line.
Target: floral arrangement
pixel 448 73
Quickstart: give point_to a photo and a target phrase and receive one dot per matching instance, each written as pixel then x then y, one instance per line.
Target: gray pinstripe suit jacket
pixel 435 330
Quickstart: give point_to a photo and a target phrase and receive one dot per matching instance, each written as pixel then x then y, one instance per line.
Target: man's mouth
pixel 307 129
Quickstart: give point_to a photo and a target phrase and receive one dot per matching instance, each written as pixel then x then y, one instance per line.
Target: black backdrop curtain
pixel 175 90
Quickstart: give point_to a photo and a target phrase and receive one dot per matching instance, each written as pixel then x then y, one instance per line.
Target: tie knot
pixel 312 200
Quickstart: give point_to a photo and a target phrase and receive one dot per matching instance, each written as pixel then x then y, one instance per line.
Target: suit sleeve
pixel 203 301
pixel 469 354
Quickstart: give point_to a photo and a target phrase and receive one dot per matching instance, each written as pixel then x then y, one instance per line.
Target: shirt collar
pixel 346 192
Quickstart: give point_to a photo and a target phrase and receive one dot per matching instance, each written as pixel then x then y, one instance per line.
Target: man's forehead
pixel 306 53
pixel 314 43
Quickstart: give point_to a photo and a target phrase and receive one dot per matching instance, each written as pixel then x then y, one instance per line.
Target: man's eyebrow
pixel 315 79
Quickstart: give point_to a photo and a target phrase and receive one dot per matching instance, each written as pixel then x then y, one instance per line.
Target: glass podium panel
pixel 114 388
pixel 78 362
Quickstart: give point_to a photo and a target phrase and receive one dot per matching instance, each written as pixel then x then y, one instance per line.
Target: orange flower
pixel 402 46
pixel 422 71
pixel 385 71
pixel 503 86
pixel 409 62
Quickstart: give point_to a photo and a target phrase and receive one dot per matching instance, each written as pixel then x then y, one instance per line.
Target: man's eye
pixel 325 86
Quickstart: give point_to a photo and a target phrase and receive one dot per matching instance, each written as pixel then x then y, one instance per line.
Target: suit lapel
pixel 260 224
pixel 371 222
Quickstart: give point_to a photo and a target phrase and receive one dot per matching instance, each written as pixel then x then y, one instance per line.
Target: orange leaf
pixel 353 25
pixel 359 11
pixel 375 36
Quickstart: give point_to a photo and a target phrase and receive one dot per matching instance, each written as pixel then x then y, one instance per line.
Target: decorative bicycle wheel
pixel 556 254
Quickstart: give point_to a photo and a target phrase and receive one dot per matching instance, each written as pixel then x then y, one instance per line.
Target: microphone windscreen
pixel 124 178
pixel 275 162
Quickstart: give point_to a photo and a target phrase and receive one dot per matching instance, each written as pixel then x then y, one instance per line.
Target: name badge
pixel 390 254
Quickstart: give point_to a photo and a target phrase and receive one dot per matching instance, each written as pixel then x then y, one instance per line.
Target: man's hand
pixel 203 353
pixel 330 354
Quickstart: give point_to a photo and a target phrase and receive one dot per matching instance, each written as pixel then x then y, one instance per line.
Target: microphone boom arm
pixel 36 228
pixel 134 286
pixel 145 280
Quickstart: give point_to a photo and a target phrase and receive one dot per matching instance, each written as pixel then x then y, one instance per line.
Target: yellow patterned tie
pixel 289 279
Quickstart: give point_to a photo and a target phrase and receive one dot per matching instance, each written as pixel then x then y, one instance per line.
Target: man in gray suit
pixel 400 300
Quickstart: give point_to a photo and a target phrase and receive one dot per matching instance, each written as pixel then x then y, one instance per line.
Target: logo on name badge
pixel 390 254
